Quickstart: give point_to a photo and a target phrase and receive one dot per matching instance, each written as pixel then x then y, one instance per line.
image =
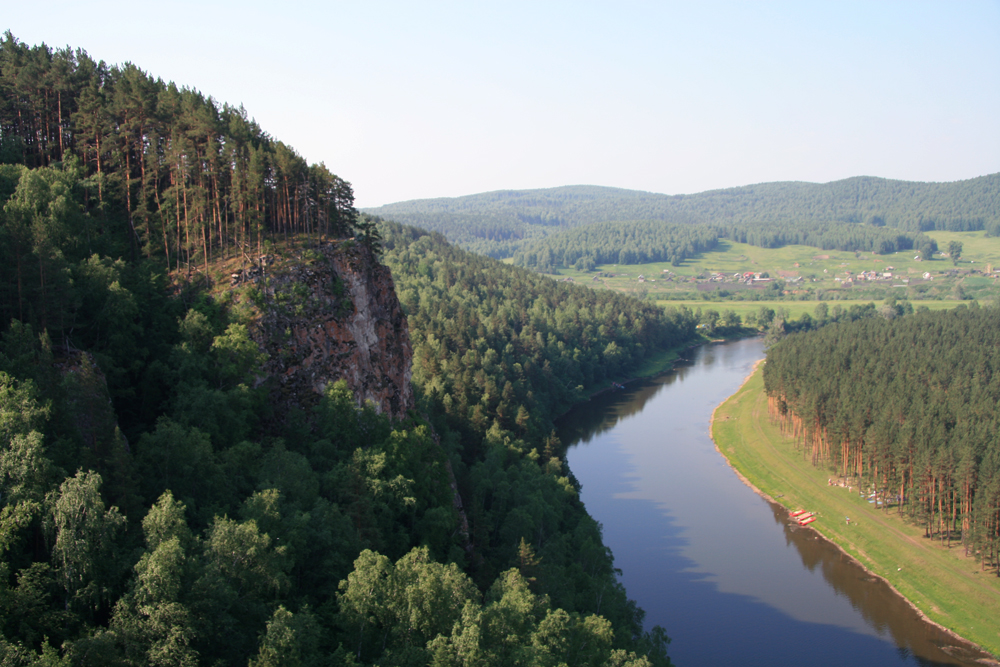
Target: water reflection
pixel 604 411
pixel 708 559
pixel 884 610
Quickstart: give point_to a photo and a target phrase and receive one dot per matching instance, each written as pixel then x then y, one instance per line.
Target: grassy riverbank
pixel 940 582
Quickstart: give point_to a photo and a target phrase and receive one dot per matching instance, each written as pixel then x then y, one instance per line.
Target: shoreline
pixel 666 367
pixel 673 355
pixel 920 613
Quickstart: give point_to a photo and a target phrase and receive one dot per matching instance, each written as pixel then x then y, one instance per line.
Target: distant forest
pixel 501 223
pixel 642 242
pixel 906 407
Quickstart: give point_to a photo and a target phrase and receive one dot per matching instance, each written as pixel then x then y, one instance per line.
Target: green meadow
pixel 822 274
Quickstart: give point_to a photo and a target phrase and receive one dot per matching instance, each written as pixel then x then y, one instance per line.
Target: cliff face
pixel 331 315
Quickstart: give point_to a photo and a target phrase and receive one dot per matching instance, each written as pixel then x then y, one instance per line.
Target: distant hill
pixel 499 223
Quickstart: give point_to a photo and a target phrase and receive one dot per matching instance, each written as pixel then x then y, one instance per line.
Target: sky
pixel 414 100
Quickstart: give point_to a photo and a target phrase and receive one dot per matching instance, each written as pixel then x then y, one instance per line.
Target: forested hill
pixel 498 223
pixel 186 476
pixel 144 168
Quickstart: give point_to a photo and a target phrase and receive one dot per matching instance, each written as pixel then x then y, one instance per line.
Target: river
pixel 716 565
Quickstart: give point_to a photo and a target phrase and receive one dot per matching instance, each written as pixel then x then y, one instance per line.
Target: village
pixel 744 273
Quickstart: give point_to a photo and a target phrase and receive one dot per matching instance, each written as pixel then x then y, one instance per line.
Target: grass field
pixel 977 248
pixel 941 582
pixel 818 269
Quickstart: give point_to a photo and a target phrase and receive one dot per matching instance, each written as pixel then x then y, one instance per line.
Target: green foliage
pixel 83 540
pixel 154 508
pixel 405 605
pixel 645 242
pixel 417 611
pixel 115 163
pixel 903 406
pixel 844 236
pixel 237 356
pixel 618 243
pixel 291 640
pixel 955 251
pixel 20 410
pixel 492 342
pixel 501 223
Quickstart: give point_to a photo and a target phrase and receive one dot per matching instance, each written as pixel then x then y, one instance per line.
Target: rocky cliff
pixel 332 313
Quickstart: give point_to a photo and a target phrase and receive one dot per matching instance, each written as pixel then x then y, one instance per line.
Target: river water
pixel 716 565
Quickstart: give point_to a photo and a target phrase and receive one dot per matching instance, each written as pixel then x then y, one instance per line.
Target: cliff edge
pixel 332 313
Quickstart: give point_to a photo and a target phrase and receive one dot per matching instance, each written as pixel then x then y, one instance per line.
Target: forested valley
pixel 906 409
pixel 502 223
pixel 645 242
pixel 156 509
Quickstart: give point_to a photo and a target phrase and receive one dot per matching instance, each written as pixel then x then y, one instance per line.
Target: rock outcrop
pixel 334 314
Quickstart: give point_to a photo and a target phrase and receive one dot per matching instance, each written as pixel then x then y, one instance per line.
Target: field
pixel 821 274
pixel 977 248
pixel 941 582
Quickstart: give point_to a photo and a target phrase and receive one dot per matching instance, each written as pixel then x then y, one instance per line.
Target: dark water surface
pixel 708 559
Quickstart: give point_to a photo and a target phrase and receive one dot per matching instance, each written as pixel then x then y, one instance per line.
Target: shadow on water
pixel 659 491
pixel 710 627
pixel 882 608
pixel 604 411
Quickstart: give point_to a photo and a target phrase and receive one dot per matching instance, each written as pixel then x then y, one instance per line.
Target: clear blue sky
pixel 411 100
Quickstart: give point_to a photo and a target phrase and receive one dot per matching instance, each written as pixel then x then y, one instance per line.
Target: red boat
pixel 806 522
pixel 796 513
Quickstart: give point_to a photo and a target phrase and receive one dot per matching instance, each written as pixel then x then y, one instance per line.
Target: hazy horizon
pixel 449 99
pixel 611 187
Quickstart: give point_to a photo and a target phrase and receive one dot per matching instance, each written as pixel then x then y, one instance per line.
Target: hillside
pixel 499 223
pixel 218 444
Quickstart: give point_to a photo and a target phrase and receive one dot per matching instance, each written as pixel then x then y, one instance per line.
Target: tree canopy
pixel 155 507
pixel 501 223
pixel 906 407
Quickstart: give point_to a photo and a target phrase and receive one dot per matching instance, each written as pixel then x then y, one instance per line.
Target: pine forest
pixel 904 408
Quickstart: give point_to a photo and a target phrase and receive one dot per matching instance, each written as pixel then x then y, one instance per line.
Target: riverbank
pixel 659 363
pixel 940 583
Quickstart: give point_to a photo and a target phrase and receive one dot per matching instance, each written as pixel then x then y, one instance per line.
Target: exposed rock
pixel 334 315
